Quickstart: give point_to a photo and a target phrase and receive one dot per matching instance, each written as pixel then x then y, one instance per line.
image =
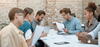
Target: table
pixel 53 37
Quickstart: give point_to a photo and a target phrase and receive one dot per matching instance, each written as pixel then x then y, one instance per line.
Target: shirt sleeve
pixel 28 34
pixel 77 27
pixel 5 43
pixel 26 26
pixel 33 26
pixel 64 24
pixel 94 33
pixel 6 40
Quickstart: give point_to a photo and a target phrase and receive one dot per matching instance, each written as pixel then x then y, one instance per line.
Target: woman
pixel 27 27
pixel 91 21
pixel 90 37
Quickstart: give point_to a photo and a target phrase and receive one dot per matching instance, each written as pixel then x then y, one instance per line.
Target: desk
pixel 52 37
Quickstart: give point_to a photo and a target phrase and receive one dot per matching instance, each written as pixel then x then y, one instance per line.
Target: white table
pixel 52 37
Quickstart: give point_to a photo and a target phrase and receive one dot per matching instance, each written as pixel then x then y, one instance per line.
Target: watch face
pixel 89 41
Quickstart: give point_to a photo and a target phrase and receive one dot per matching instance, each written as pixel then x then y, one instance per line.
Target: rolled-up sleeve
pixel 94 33
pixel 77 27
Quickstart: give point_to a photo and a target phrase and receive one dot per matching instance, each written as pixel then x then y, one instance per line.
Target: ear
pixel 16 16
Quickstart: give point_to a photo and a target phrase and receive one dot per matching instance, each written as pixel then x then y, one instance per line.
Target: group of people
pixel 20 31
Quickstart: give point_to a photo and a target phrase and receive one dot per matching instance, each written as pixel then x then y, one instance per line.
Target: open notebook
pixel 37 33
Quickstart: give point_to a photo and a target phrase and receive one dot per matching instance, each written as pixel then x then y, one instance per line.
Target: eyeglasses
pixel 21 14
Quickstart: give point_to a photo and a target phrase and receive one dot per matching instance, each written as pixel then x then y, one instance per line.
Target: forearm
pixel 88 39
pixel 74 31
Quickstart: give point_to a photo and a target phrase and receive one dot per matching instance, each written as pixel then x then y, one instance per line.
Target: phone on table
pixel 61 43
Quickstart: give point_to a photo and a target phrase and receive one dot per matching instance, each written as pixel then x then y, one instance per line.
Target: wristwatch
pixel 89 41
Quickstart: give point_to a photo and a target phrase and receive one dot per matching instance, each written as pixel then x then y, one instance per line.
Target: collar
pixel 36 21
pixel 70 18
pixel 15 28
pixel 27 21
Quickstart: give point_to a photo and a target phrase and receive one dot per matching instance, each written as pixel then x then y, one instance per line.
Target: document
pixel 60 26
pixel 37 33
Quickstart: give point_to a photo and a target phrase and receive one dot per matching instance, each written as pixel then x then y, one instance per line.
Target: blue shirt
pixel 73 25
pixel 26 26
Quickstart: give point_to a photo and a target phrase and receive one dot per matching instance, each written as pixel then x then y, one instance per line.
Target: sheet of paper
pixel 28 34
pixel 60 26
pixel 37 33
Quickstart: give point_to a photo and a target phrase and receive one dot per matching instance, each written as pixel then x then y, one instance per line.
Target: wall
pixel 51 7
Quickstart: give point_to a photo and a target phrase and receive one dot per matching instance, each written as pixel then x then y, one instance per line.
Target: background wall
pixel 51 7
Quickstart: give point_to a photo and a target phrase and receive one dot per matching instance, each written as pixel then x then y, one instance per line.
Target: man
pixel 37 20
pixel 72 24
pixel 11 36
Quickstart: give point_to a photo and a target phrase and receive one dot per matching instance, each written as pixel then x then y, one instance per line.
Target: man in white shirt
pixel 11 36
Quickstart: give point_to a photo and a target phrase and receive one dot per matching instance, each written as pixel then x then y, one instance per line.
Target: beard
pixel 39 20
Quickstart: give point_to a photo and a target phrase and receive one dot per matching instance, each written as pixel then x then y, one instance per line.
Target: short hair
pixel 28 11
pixel 13 11
pixel 40 12
pixel 65 10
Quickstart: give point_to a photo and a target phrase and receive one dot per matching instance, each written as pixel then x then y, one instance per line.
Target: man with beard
pixel 36 21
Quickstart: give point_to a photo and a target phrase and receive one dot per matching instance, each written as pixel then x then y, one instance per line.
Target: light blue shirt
pixel 94 33
pixel 73 25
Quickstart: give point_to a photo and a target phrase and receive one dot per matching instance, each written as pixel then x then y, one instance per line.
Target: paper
pixel 37 33
pixel 28 34
pixel 60 26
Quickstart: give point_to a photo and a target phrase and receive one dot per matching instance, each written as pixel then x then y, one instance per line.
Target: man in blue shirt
pixel 72 24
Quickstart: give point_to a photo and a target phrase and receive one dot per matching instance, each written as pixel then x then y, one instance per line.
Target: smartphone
pixel 61 43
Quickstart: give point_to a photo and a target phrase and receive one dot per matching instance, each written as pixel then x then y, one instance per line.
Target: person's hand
pixel 81 34
pixel 65 30
pixel 43 34
pixel 83 37
pixel 78 34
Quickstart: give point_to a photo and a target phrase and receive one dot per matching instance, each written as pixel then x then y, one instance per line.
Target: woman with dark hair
pixel 90 37
pixel 91 21
pixel 27 27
